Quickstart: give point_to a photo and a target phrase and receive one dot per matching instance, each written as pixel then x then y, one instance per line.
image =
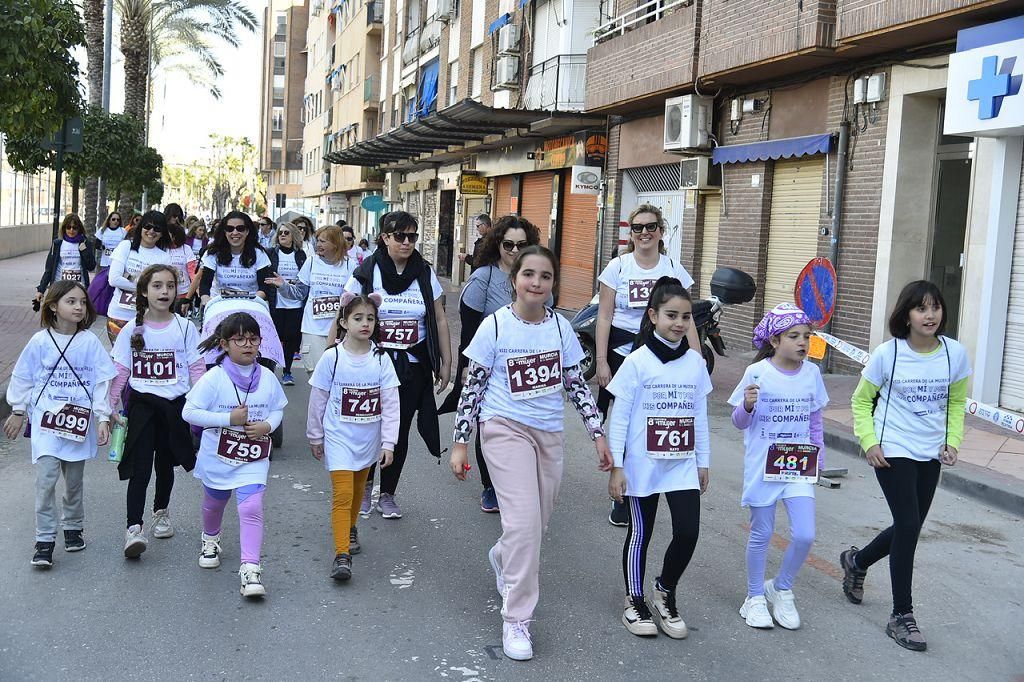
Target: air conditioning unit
pixel 697 172
pixel 391 193
pixel 444 9
pixel 508 39
pixel 687 121
pixel 506 72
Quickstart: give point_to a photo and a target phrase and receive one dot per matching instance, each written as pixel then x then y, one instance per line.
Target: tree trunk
pixel 135 48
pixel 76 185
pixel 92 11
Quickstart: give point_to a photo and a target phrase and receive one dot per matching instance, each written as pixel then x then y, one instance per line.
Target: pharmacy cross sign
pixel 993 86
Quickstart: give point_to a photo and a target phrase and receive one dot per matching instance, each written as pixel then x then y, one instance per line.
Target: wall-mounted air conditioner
pixel 697 172
pixel 508 39
pixel 506 72
pixel 687 122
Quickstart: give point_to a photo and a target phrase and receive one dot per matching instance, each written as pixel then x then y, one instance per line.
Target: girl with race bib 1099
pixel 158 361
pixel 520 360
pixel 60 384
pixel 659 440
pixel 778 405
pixel 149 245
pixel 237 403
pixel 352 421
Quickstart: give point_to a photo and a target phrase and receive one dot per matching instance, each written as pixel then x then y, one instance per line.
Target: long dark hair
pixel 913 295
pixel 157 219
pixel 665 289
pixel 535 250
pixel 346 310
pixel 235 323
pixel 138 342
pixel 490 249
pixel 395 222
pixel 221 248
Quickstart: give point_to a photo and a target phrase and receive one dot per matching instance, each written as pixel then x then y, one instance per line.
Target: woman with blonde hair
pixel 286 259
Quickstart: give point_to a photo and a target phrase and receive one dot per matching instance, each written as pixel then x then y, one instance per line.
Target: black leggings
pixel 288 322
pixel 684 506
pixel 481 463
pixel 415 395
pixel 908 486
pixel 148 453
pixel 604 398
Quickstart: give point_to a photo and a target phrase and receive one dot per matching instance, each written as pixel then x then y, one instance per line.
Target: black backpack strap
pixel 888 395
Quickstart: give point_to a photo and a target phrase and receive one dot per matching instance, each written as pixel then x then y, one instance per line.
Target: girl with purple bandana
pixel 778 405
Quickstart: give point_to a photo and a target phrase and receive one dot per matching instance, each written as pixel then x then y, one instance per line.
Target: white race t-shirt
pixel 633 286
pixel 782 415
pixel 326 284
pixel 352 421
pixel 69 263
pixel 667 436
pixel 161 368
pixel 180 258
pixel 915 426
pixel 526 362
pixel 288 271
pixel 215 393
pixel 109 239
pixel 235 275
pixel 122 305
pixel 402 313
pixel 93 366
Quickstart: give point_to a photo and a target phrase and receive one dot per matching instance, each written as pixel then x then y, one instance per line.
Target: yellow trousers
pixel 347 488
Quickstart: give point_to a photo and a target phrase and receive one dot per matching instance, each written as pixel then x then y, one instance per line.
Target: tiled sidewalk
pixel 18 279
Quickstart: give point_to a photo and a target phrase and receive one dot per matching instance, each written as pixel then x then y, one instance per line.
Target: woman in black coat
pixel 72 256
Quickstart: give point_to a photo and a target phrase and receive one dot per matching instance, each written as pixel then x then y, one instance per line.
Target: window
pixel 277 118
pixel 282 23
pixel 280 48
pixel 453 83
pixel 276 144
pixel 478 73
pixel 279 86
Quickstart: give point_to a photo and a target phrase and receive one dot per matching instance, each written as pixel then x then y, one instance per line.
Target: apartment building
pixel 281 92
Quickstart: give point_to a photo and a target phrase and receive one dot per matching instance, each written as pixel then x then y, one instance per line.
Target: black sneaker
pixel 342 569
pixel 73 541
pixel 903 628
pixel 353 541
pixel 619 516
pixel 853 578
pixel 44 554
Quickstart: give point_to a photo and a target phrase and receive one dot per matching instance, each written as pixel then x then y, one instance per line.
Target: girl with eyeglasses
pixel 235 263
pixel 286 259
pixel 414 331
pixel 150 245
pixel 72 256
pixel 488 289
pixel 625 287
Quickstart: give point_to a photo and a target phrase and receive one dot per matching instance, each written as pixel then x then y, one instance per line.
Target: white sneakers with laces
pixel 252 585
pixel 499 579
pixel 209 555
pixel 162 527
pixel 515 641
pixel 755 612
pixel 783 606
pixel 667 614
pixel 135 542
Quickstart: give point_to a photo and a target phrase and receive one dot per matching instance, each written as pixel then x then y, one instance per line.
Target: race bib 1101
pixel 154 367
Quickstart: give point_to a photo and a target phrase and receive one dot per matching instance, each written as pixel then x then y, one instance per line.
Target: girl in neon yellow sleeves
pixel 909 416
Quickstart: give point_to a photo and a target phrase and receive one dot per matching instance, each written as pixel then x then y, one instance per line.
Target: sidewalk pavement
pixel 18 280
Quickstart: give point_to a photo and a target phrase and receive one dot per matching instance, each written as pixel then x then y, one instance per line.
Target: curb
pixel 996 490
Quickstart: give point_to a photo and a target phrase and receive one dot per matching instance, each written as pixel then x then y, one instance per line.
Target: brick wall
pixel 857 17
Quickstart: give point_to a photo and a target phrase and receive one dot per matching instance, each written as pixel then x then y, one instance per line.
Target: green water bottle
pixel 117 436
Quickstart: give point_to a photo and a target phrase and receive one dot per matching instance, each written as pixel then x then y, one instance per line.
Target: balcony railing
pixel 642 14
pixel 558 84
pixel 374 12
pixel 411 49
pixel 370 90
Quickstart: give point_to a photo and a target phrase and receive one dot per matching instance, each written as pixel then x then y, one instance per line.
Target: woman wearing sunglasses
pixel 626 285
pixel 414 331
pixel 72 256
pixel 150 245
pixel 235 263
pixel 108 237
pixel 488 289
pixel 287 259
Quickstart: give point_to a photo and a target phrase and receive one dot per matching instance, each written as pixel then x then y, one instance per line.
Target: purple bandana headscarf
pixel 778 320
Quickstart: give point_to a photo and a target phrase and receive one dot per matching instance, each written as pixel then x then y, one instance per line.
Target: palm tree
pixel 92 11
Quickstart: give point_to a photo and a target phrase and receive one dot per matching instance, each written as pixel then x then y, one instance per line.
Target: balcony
pixel 640 15
pixel 371 92
pixel 870 26
pixel 558 84
pixel 411 48
pixel 374 16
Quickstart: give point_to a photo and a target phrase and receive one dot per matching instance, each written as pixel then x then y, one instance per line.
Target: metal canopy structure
pixel 466 127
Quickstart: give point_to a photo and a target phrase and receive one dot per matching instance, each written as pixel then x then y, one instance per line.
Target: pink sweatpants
pixel 526 468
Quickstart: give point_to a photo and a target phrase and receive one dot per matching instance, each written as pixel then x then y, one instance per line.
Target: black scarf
pixel 392 281
pixel 664 352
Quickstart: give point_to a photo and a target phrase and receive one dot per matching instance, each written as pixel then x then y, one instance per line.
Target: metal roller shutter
pixel 578 247
pixel 793 230
pixel 502 196
pixel 1011 385
pixel 536 200
pixel 709 246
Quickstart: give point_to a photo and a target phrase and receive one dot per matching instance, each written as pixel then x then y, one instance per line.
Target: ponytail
pixel 235 323
pixel 665 288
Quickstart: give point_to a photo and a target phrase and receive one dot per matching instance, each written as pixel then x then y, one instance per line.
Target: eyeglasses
pixel 115 220
pixel 283 233
pixel 402 237
pixel 245 341
pixel 510 245
pixel 637 228
pixel 235 228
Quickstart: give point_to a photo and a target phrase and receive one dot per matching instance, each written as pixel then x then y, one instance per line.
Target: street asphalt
pixel 422 603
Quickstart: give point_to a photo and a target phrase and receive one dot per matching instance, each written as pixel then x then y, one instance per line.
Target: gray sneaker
pixel 903 628
pixel 388 507
pixel 353 541
pixel 367 505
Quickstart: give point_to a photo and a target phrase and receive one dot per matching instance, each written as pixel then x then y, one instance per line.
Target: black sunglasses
pixel 350 239
pixel 401 237
pixel 509 245
pixel 637 228
pixel 153 228
pixel 235 228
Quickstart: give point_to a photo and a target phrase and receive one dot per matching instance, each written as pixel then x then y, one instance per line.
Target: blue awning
pixel 787 148
pixel 498 23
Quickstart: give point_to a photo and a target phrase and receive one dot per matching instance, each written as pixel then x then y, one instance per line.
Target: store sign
pixel 983 91
pixel 586 180
pixel 586 148
pixel 337 203
pixel 472 184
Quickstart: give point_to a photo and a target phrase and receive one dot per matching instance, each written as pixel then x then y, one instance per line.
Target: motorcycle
pixel 728 286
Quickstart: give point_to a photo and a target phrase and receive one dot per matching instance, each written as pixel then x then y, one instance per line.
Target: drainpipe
pixel 837 212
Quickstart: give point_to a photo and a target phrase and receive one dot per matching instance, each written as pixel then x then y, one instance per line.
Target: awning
pixel 787 148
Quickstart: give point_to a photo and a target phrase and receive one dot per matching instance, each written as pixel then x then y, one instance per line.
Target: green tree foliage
pixel 223 184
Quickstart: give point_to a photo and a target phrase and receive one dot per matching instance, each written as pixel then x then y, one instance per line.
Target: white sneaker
pixel 209 556
pixel 252 586
pixel 499 579
pixel 162 527
pixel 515 641
pixel 667 615
pixel 637 618
pixel 755 612
pixel 783 606
pixel 134 542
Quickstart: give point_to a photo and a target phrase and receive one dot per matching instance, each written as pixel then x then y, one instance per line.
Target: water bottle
pixel 117 436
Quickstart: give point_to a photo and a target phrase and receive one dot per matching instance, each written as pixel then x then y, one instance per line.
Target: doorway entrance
pixel 949 222
pixel 445 232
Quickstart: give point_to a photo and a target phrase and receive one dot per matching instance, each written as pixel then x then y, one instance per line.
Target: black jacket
pixel 53 258
pixel 275 259
pixel 175 437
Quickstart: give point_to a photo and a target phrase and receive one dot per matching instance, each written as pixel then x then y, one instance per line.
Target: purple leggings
pixel 762 525
pixel 250 517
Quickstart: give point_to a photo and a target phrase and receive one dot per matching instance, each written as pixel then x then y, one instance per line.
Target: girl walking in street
pixel 414 331
pixel 659 441
pixel 195 228
pixel 60 384
pixel 778 405
pixel 520 360
pixel 237 403
pixel 72 256
pixel 158 360
pixel 352 419
pixel 148 246
pixel 625 287
pixel 286 260
pixel 908 412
